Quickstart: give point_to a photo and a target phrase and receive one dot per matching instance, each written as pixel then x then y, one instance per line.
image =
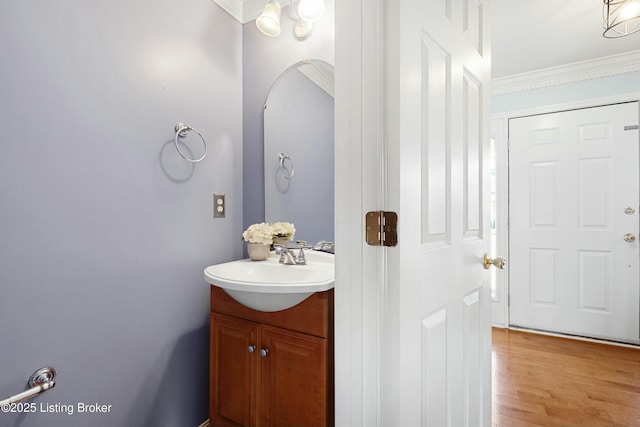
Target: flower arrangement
pixel 284 230
pixel 265 233
pixel 259 233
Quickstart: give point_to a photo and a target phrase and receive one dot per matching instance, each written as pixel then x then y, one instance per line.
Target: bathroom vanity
pixel 271 368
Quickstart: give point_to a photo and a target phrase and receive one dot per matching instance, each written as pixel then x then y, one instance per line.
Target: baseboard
pixel 573 337
pixel 204 424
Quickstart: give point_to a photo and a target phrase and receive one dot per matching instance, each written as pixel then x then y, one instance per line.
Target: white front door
pixel 573 198
pixel 437 336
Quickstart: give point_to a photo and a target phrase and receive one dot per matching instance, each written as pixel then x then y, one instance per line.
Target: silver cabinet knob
pixel 498 262
pixel 264 352
pixel 251 348
pixel 629 237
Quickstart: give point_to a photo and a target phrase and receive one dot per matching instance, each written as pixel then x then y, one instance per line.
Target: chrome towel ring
pixel 41 380
pixel 181 131
pixel 282 157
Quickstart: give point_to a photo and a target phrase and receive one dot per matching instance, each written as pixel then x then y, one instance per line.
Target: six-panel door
pixel 573 199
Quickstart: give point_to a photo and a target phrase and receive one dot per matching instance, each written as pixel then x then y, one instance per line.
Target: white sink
pixel 271 286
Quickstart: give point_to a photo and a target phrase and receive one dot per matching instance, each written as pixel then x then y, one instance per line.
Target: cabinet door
pixel 234 367
pixel 294 379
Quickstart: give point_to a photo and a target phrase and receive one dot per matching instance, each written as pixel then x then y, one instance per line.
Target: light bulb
pixel 630 9
pixel 302 29
pixel 311 10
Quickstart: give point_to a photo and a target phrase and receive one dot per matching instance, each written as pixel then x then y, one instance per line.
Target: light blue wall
pixel 588 89
pixel 104 229
pixel 264 58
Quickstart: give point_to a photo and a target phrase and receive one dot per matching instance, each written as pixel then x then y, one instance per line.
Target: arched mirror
pixel 299 152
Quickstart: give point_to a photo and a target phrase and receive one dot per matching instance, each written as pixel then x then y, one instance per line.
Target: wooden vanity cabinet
pixel 271 369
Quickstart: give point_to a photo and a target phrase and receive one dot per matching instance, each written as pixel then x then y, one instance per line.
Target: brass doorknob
pixel 498 262
pixel 629 237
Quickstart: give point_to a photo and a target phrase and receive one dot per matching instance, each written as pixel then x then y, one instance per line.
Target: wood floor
pixel 540 380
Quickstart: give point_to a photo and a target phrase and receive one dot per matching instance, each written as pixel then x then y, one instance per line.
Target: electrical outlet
pixel 219 207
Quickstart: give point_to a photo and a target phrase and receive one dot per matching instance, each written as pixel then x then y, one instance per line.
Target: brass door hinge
pixel 381 228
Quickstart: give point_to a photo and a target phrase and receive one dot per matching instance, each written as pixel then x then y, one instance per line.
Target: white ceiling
pixel 527 35
pixel 530 35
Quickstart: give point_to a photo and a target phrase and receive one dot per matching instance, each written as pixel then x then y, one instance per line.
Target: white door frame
pixel 500 128
pixel 359 185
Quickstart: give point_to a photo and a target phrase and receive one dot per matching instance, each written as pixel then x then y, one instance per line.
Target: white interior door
pixel 573 197
pixel 437 314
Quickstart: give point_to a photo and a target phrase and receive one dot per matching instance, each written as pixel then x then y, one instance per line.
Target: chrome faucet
pixel 324 246
pixel 287 255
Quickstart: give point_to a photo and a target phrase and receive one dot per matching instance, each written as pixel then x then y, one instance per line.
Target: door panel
pixel 436 143
pixel 473 141
pixel 434 363
pixel 294 379
pixel 233 400
pixel 437 298
pixel 572 175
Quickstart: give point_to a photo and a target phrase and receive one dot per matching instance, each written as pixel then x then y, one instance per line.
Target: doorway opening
pixel 594 212
pixel 497 164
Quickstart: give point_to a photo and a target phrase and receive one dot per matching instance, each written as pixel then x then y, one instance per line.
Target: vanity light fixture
pixel 305 13
pixel 269 21
pixel 621 17
pixel 311 10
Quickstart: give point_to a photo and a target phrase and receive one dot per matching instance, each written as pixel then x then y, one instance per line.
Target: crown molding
pixel 232 7
pixel 252 9
pixel 245 11
pixel 606 66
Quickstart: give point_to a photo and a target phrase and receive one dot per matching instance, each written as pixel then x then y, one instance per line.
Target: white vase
pixel 258 251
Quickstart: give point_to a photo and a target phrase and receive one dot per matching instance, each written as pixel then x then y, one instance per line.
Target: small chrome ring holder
pixel 181 131
pixel 290 171
pixel 42 376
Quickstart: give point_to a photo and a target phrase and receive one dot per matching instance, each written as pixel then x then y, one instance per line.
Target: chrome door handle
pixel 498 262
pixel 251 348
pixel 629 237
pixel 264 352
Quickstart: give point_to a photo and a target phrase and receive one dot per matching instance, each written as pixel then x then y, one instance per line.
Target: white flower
pixel 283 229
pixel 259 233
